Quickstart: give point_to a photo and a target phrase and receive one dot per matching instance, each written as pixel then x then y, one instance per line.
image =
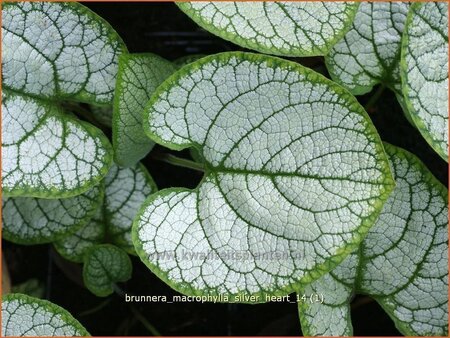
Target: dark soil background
pixel 163 29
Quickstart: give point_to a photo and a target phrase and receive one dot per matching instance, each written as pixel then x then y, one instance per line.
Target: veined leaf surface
pixel 105 265
pixel 59 50
pixel 75 245
pixel 296 174
pixel 125 191
pixel 369 53
pixel 402 262
pixel 28 316
pixel 424 71
pixel 280 28
pixel 28 220
pixel 54 52
pixel 138 77
pixel 47 153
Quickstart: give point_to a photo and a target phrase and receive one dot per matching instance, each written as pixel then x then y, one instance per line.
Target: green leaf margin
pixel 119 254
pixel 247 43
pixel 310 75
pixel 49 306
pixel 410 111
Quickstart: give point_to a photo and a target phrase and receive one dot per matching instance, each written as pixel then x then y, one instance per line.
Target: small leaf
pixel 138 77
pixel 280 28
pixel 369 53
pixel 27 316
pixel 424 71
pixel 29 220
pixel 402 263
pixel 102 114
pixel 125 191
pixel 74 246
pixel 59 50
pixel 32 287
pixel 295 176
pixel 104 265
pixel 47 153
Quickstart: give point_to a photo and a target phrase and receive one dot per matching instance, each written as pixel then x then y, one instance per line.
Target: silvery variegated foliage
pixel 369 53
pixel 29 220
pixel 138 77
pixel 280 28
pixel 125 190
pixel 73 246
pixel 424 71
pixel 294 168
pixel 28 316
pixel 52 52
pixel 59 50
pixel 402 263
pixel 46 152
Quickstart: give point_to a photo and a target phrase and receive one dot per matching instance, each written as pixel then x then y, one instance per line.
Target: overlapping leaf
pixel 402 262
pixel 424 71
pixel 27 316
pixel 28 220
pixel 138 77
pixel 56 52
pixel 104 265
pixel 125 190
pixel 46 153
pixel 280 28
pixel 369 53
pixel 74 246
pixel 296 174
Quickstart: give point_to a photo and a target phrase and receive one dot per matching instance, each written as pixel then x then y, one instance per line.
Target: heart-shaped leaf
pixel 280 28
pixel 424 71
pixel 402 263
pixel 125 191
pixel 54 52
pixel 104 265
pixel 27 316
pixel 295 176
pixel 369 53
pixel 47 153
pixel 28 220
pixel 138 77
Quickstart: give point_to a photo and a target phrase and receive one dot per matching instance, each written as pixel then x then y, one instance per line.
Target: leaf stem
pixel 95 309
pixel 145 322
pixel 178 161
pixel 118 290
pixel 374 97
